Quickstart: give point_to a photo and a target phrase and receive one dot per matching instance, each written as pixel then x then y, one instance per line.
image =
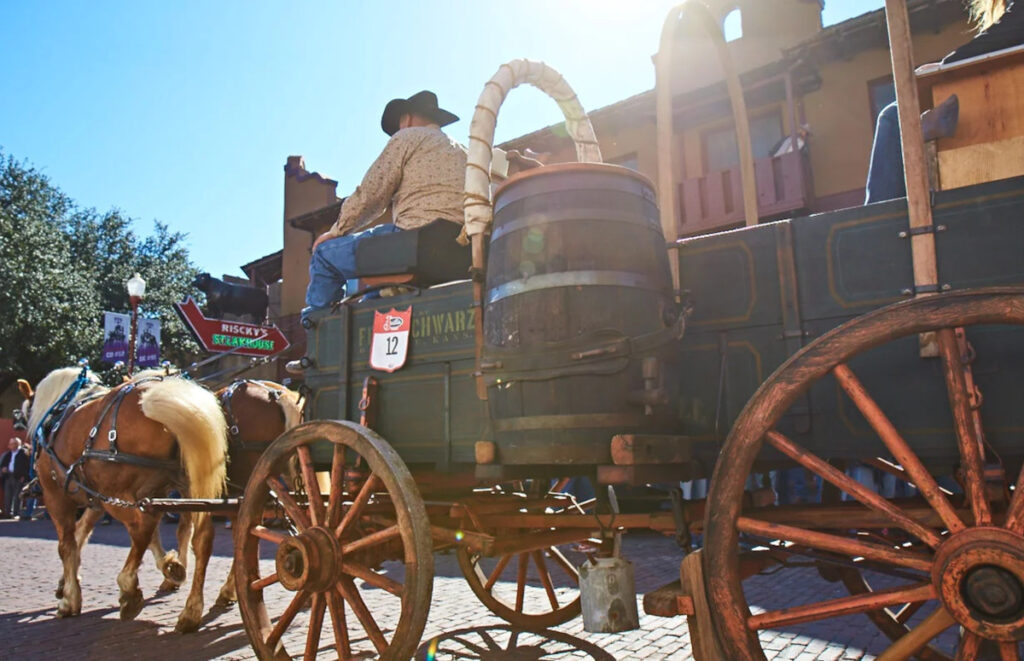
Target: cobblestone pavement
pixel 459 627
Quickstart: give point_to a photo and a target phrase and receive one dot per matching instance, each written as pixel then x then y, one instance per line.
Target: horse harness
pixel 73 475
pixel 234 438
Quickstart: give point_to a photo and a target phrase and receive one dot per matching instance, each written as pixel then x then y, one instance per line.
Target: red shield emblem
pixel 390 344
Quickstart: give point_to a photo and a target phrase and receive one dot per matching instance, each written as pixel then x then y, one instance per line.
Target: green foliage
pixel 62 266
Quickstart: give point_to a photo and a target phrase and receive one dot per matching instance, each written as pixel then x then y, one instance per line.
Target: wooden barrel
pixel 578 295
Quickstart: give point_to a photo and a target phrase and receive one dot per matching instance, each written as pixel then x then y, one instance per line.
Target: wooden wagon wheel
pixel 329 559
pixel 974 563
pixel 504 583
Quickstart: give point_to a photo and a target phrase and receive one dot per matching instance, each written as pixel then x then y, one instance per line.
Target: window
pixel 627 161
pixel 882 92
pixel 732 25
pixel 721 152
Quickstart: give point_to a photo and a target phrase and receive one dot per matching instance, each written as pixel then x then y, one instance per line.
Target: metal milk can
pixel 608 596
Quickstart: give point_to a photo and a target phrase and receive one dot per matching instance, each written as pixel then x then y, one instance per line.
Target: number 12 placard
pixel 390 344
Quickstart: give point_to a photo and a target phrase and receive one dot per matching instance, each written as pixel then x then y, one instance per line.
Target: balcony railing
pixel 715 201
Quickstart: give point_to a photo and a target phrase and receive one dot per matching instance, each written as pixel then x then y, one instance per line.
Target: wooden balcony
pixel 715 201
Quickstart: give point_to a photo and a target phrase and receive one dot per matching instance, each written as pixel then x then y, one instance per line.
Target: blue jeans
pixel 885 174
pixel 334 263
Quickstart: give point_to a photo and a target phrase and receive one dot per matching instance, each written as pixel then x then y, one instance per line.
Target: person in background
pixel 999 27
pixel 14 469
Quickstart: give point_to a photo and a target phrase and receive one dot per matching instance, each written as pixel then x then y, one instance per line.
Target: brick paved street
pixel 463 627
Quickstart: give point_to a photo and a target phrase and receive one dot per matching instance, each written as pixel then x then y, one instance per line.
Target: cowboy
pixel 420 173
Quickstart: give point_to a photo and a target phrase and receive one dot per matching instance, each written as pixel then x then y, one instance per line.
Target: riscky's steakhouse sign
pixel 220 336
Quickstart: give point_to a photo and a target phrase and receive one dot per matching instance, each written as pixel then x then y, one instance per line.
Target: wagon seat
pixel 422 257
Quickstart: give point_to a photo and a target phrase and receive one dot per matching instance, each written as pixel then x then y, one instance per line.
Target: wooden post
pixel 914 164
pixel 915 167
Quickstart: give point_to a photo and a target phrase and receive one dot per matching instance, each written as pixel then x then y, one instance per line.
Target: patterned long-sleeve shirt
pixel 421 172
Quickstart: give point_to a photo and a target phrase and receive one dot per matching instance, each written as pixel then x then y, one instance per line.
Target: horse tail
pixel 291 404
pixel 191 413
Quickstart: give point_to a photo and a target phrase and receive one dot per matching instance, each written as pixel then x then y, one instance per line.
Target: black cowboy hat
pixel 422 103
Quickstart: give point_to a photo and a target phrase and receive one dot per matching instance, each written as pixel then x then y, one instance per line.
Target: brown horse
pixel 109 448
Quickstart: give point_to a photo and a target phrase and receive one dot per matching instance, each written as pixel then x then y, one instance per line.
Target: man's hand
pixel 326 236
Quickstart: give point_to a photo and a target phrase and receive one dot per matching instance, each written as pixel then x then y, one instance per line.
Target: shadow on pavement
pixel 99 633
pixel 503 643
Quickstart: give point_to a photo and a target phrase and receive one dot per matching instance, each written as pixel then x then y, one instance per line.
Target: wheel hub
pixel 309 561
pixel 979 575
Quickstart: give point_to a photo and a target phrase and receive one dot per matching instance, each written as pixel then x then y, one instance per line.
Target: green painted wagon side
pixel 428 410
pixel 761 293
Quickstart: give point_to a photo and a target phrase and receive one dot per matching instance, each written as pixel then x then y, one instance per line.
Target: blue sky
pixel 185 111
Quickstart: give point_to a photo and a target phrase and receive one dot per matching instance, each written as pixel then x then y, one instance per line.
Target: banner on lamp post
pixel 115 337
pixel 147 343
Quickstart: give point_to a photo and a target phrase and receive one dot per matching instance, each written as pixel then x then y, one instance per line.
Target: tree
pixel 61 266
pixel 49 311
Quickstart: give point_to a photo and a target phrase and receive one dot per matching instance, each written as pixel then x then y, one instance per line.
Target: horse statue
pixel 107 449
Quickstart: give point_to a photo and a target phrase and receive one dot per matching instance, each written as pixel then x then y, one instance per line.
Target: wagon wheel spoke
pixel 267 534
pixel 1009 651
pixel 316 623
pixel 348 591
pixel 291 508
pixel 834 543
pixel 496 574
pixel 915 639
pixel 261 583
pixel 373 578
pixel 521 581
pixel 564 563
pixel 908 611
pixel 283 622
pixel 968 648
pixel 336 496
pixel 316 504
pixel 898 446
pixel 845 483
pixel 545 578
pixel 336 606
pixel 842 606
pixel 963 422
pixel 363 497
pixel 379 537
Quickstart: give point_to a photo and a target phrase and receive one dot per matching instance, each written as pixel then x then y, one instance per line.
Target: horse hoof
pixel 169 586
pixel 187 624
pixel 224 602
pixel 131 605
pixel 174 571
pixel 66 610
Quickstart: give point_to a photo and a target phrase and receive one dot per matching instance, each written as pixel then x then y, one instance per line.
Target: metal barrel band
pixel 541 219
pixel 574 279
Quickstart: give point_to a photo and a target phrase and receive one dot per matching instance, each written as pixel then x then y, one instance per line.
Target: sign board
pixel 116 327
pixel 147 343
pixel 222 336
pixel 390 344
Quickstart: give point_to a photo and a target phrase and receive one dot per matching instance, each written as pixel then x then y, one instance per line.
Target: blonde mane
pixel 52 387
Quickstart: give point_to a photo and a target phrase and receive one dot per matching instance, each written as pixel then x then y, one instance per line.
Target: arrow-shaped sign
pixel 220 335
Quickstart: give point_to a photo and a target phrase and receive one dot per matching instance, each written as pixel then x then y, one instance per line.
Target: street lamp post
pixel 136 291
